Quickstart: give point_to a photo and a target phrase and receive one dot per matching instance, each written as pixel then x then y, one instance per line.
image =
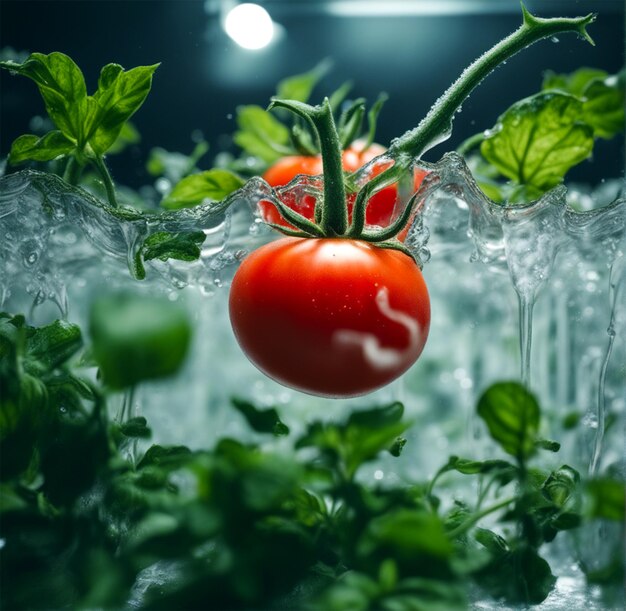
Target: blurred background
pixel 216 55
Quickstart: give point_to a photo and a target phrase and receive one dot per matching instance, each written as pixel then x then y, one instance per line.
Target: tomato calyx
pixel 331 218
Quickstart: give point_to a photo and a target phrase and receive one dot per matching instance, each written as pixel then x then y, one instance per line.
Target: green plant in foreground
pixel 86 512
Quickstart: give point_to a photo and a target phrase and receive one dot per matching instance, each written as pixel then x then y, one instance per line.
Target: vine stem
pixel 437 124
pixel 72 171
pixel 98 161
pixel 465 526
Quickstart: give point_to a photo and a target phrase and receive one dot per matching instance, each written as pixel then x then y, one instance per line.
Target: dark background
pixel 203 76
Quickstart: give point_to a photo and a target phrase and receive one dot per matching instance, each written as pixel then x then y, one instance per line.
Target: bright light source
pixel 250 26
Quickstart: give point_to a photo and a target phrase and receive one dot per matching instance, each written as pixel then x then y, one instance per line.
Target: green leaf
pixel 212 185
pixel 170 457
pixel 607 499
pixel 548 444
pixel 32 148
pixel 260 134
pixel 62 87
pixel 137 338
pixel 539 139
pixel 53 344
pixel 136 427
pixel 574 83
pixel 603 106
pixel 377 417
pixel 521 576
pixel 397 446
pixel 406 534
pixel 181 246
pixel 512 416
pixel 261 420
pixel 473 467
pixel 300 86
pixel 561 485
pixel 120 94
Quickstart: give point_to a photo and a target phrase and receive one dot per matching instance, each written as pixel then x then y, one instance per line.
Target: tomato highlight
pixel 332 317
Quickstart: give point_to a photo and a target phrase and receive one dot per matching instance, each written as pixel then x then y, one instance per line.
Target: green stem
pixel 437 124
pixel 98 161
pixel 334 217
pixel 465 526
pixel 73 171
pixel 334 212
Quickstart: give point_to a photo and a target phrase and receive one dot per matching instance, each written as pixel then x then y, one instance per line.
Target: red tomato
pixel 381 209
pixel 331 316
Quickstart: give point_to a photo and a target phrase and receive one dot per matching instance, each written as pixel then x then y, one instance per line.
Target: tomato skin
pixel 330 317
pixel 381 209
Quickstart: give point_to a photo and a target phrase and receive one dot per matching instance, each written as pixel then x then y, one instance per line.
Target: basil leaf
pixel 61 85
pixel 138 338
pixel 561 485
pixel 602 95
pixel 574 83
pixel 48 147
pixel 55 343
pixel 474 467
pixel 512 416
pixel 377 417
pixel 603 107
pixel 539 139
pixel 521 576
pixel 211 185
pixel 261 420
pixel 181 246
pixel 136 427
pixel 408 534
pixel 300 86
pixel 120 94
pixel 261 134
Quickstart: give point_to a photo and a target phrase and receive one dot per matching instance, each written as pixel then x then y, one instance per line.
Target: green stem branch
pixel 465 526
pixel 72 172
pixel 106 179
pixel 437 124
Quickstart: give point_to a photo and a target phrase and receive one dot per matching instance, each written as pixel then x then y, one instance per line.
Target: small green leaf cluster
pixel 539 139
pixel 268 138
pixel 90 520
pixel 87 126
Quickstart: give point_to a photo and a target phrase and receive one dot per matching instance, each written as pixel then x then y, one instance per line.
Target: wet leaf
pixel 181 246
pixel 512 415
pixel 539 139
pixel 209 186
pixel 261 420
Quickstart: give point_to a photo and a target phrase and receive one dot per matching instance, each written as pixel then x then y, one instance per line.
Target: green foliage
pixel 209 186
pixel 261 420
pixel 512 417
pixel 138 338
pixel 268 138
pixel 246 525
pixel 182 246
pixel 539 139
pixel 602 95
pixel 87 124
